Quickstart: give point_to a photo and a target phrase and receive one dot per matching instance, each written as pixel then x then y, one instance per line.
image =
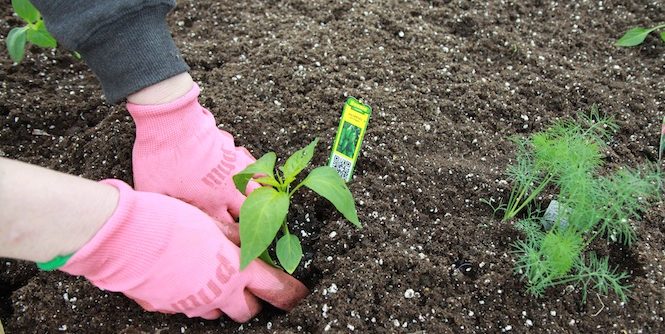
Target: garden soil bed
pixel 449 81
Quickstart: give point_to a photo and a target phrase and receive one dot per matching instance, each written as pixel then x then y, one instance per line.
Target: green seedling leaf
pixel 261 216
pixel 289 252
pixel 25 10
pixel 16 40
pixel 41 38
pixel 633 37
pixel 265 256
pixel 265 165
pixel 267 181
pixel 297 162
pixel 326 182
pixel 2 330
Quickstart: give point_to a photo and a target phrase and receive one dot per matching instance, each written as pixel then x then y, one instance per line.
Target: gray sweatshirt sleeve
pixel 126 43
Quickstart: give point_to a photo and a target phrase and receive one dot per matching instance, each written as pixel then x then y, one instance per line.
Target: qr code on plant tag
pixel 342 166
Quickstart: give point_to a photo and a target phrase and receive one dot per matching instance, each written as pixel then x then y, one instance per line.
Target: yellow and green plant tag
pixel 349 138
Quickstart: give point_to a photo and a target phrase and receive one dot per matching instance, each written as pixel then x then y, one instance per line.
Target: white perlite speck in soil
pixel 332 289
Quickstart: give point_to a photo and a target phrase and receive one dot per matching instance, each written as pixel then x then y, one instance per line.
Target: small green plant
pixel 569 150
pixel 34 31
pixel 566 159
pixel 265 210
pixel 637 35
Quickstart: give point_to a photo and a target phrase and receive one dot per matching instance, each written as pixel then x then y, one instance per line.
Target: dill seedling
pixel 525 174
pixel 566 158
pixel 568 150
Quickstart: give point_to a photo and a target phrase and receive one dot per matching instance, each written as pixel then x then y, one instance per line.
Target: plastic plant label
pixel 350 134
pixel 551 216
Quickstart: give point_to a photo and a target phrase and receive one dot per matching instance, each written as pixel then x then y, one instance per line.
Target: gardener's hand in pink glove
pixel 171 257
pixel 180 152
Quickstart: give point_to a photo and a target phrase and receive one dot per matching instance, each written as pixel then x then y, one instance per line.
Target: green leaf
pixel 261 216
pixel 265 256
pixel 297 162
pixel 41 38
pixel 267 180
pixel 633 37
pixel 289 252
pixel 16 43
pixel 662 36
pixel 265 165
pixel 326 182
pixel 25 10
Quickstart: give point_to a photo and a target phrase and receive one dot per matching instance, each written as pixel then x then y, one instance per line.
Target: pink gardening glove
pixel 180 152
pixel 171 257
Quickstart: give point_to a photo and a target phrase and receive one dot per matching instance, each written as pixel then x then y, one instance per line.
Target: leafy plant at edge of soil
pixel 34 31
pixel 566 157
pixel 547 156
pixel 265 210
pixel 637 35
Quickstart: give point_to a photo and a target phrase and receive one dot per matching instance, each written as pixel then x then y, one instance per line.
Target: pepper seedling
pixel 637 35
pixel 34 31
pixel 265 209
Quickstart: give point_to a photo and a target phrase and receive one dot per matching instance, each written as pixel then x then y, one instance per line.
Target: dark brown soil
pixel 449 82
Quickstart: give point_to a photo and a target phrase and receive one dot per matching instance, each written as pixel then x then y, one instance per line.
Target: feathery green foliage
pixel 567 153
pixel 567 158
pixel 597 274
pixel 623 194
